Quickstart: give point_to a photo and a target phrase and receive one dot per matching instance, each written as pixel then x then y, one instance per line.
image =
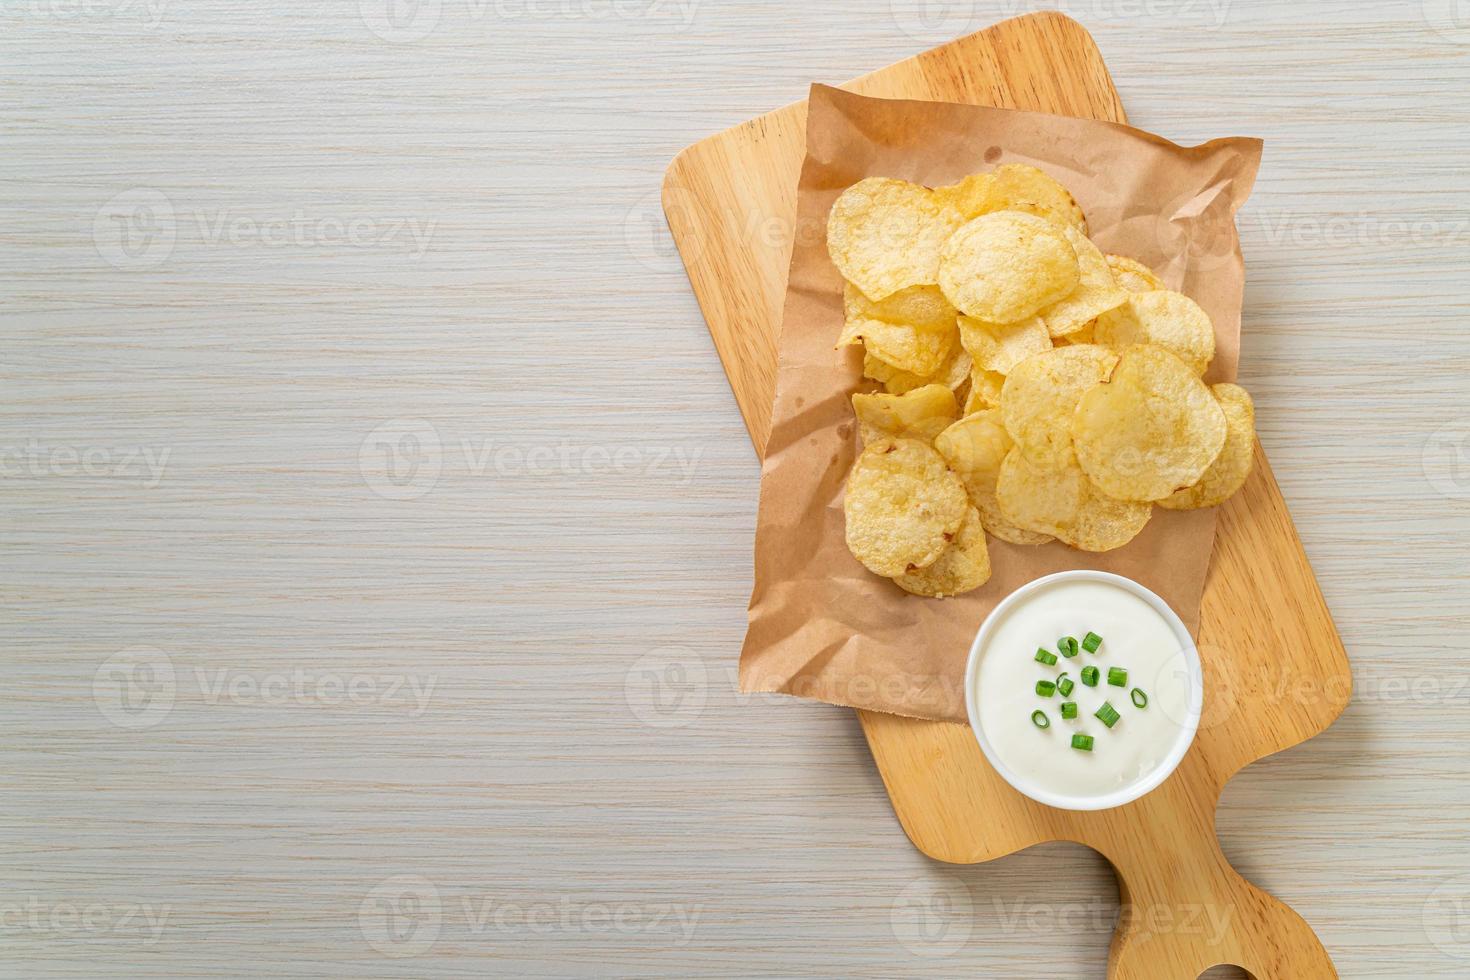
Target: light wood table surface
pixel 376 519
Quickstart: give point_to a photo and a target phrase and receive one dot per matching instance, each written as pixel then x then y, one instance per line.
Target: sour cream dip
pixel 1071 757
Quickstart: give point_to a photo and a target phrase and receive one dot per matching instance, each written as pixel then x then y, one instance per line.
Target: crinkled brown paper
pixel 821 625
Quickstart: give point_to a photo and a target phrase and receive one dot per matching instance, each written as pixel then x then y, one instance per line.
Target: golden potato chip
pixel 971 197
pixel 895 382
pixel 1035 498
pixel 963 566
pixel 974 447
pixel 1228 472
pixel 1096 292
pixel 962 396
pixel 985 387
pixel 917 350
pixel 919 306
pixel 1104 523
pixel 1132 275
pixel 913 330
pixel 1066 505
pixel 998 527
pixel 1005 266
pixel 1151 429
pixel 1083 336
pixel 903 506
pixel 893 379
pixel 1164 319
pixel 999 346
pixel 1040 394
pixel 955 371
pixel 1016 187
pixel 922 413
pixel 952 374
pixel 1025 188
pixel 884 235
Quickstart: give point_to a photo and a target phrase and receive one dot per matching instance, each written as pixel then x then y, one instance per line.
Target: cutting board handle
pixel 1185 909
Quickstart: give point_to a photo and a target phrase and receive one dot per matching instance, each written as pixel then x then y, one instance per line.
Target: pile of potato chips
pixel 1032 387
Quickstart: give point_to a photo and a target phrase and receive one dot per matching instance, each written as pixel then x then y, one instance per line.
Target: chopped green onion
pixel 1140 698
pixel 1089 676
pixel 1065 685
pixel 1118 676
pixel 1091 642
pixel 1044 656
pixel 1045 688
pixel 1040 720
pixel 1067 646
pixel 1069 709
pixel 1082 742
pixel 1107 714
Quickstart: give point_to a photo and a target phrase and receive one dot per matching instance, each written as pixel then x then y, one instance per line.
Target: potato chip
pixel 1025 188
pixel 963 566
pixel 1132 275
pixel 1000 346
pixel 1003 267
pixel 998 527
pixel 913 330
pixel 1040 394
pixel 919 306
pixel 1083 336
pixel 1151 429
pixel 885 235
pixel 955 371
pixel 1104 523
pixel 971 197
pixel 1164 319
pixel 985 387
pixel 1096 292
pixel 952 374
pixel 903 506
pixel 922 413
pixel 1015 187
pixel 1228 472
pixel 917 350
pixel 1035 498
pixel 894 380
pixel 1066 505
pixel 974 447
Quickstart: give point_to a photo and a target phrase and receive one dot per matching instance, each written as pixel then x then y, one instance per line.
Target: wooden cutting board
pixel 1275 668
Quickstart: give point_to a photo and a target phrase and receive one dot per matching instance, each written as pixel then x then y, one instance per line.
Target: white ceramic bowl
pixel 1187 726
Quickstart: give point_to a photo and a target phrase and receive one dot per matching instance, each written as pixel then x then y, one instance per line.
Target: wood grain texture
pixel 1264 613
pixel 542 776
